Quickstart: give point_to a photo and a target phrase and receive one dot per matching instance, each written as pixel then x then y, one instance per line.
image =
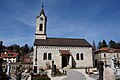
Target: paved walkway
pixel 75 75
pixel 55 78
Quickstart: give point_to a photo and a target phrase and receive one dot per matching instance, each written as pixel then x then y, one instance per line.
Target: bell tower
pixel 41 21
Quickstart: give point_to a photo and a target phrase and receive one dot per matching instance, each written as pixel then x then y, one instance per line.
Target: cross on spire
pixel 42 1
pixel 42 10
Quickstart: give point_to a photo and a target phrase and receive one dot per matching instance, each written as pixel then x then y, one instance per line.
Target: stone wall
pixel 56 57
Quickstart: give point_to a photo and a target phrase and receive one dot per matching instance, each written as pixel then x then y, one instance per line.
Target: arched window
pixel 104 55
pixel 117 55
pixel 77 56
pixel 81 56
pixel 45 56
pixel 41 27
pixel 49 56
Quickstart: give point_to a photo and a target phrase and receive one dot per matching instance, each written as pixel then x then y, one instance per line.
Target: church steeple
pixel 42 10
pixel 41 24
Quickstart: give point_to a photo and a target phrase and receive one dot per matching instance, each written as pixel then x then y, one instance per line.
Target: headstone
pixel 32 75
pixel 54 71
pixel 52 66
pixel 35 69
pixel 101 69
pixel 109 74
pixel 18 76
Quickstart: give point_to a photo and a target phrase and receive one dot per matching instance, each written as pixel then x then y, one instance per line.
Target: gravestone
pixel 32 75
pixel 35 69
pixel 18 76
pixel 109 73
pixel 52 66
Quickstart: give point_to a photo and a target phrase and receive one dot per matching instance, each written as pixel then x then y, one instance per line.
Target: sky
pixel 93 20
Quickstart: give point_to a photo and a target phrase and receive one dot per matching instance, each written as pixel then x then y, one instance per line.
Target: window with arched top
pixel 41 27
pixel 77 56
pixel 49 56
pixel 81 55
pixel 104 55
pixel 117 55
pixel 45 56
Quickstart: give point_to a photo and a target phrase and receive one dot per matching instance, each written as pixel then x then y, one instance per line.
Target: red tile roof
pixel 107 50
pixel 104 49
pixel 9 55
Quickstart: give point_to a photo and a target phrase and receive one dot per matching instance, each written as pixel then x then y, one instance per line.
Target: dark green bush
pixel 41 78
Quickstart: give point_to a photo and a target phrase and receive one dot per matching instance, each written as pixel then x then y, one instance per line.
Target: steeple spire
pixel 42 4
pixel 41 21
pixel 42 11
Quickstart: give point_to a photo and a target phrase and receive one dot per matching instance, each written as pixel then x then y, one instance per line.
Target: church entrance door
pixel 65 60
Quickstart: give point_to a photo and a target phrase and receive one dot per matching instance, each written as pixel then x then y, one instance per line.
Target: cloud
pixel 27 21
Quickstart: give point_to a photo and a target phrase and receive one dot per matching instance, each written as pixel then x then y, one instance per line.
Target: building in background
pixel 105 54
pixel 9 56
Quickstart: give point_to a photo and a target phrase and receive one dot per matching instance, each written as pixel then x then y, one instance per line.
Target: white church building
pixel 76 53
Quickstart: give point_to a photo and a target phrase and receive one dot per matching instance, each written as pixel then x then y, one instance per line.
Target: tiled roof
pixel 9 55
pixel 107 50
pixel 69 42
pixel 104 49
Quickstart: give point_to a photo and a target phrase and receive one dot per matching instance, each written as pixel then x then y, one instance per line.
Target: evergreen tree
pixel 94 46
pixel 104 44
pixel 31 50
pixel 22 51
pixel 1 47
pixel 26 49
pixel 112 44
pixel 99 44
pixel 118 45
pixel 10 48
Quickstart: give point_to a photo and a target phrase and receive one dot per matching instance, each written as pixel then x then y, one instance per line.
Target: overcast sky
pixel 89 19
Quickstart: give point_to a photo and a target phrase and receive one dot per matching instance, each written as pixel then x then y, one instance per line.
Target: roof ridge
pixel 65 38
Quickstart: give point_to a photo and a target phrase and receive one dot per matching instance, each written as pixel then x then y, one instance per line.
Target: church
pixel 75 53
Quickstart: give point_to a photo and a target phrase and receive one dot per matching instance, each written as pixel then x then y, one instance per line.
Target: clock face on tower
pixel 41 18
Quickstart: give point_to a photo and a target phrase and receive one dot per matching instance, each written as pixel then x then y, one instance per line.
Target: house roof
pixel 107 50
pixel 69 42
pixel 104 49
pixel 9 55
